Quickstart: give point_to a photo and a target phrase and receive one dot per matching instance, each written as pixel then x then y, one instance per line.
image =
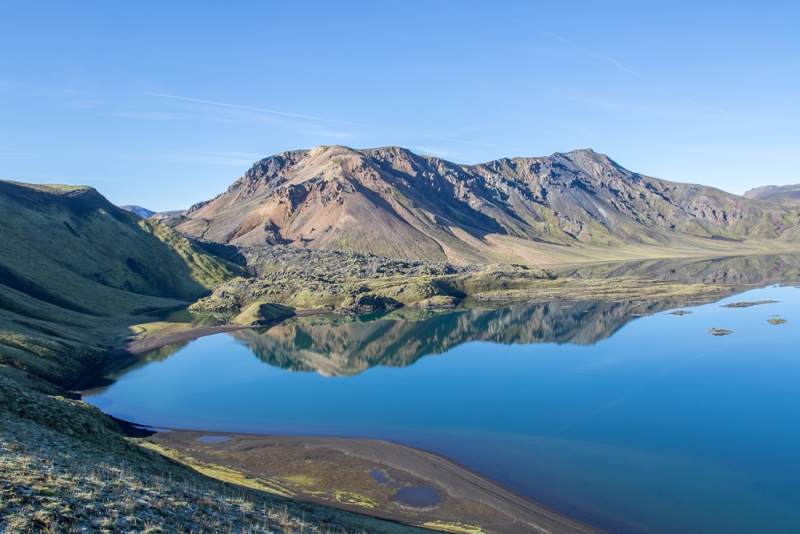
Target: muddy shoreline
pixel 339 472
pixel 470 502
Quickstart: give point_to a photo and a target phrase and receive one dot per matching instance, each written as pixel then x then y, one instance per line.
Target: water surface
pixel 629 421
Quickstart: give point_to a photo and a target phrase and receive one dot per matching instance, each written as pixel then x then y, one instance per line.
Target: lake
pixel 619 414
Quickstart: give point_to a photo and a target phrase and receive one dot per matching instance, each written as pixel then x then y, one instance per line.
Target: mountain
pixel 73 267
pixel 150 214
pixel 161 215
pixel 394 203
pixel 775 193
pixel 140 211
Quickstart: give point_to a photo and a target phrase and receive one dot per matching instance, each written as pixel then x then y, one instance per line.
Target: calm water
pixel 632 423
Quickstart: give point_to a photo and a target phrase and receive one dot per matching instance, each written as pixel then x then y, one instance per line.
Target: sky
pixel 164 104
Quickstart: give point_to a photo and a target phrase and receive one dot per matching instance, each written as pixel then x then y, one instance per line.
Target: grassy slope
pixel 65 467
pixel 516 250
pixel 72 248
pixel 76 273
pixel 76 270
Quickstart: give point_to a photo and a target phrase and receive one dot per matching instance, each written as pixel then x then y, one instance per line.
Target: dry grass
pixel 52 484
pixel 65 467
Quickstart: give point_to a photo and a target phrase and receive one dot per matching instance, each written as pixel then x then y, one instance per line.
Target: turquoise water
pixel 632 423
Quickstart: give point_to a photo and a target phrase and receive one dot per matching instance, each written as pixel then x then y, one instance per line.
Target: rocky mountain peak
pixel 392 202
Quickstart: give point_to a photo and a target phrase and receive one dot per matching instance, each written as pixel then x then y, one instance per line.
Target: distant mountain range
pixel 140 211
pixel 392 202
pixel 775 193
pixel 150 214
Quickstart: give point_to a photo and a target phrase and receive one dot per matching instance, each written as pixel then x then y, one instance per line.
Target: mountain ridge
pixel 392 202
pixel 775 193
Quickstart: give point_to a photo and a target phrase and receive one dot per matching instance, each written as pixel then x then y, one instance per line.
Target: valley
pixel 365 254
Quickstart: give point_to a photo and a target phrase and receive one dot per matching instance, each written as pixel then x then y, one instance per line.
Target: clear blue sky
pixel 685 91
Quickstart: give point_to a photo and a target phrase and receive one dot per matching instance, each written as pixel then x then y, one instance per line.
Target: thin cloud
pixel 430 151
pixel 261 110
pixel 619 65
pixel 590 53
pixel 694 103
pixel 332 121
pixel 160 116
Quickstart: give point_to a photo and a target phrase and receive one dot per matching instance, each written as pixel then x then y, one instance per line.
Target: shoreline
pixel 335 472
pixel 181 332
pixel 138 345
pixel 486 505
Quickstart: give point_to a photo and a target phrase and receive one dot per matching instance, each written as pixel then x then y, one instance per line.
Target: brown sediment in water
pixel 363 475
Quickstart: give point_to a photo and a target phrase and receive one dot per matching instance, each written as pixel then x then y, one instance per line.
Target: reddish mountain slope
pixel 392 202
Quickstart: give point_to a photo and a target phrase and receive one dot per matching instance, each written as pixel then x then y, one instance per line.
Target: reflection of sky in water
pixel 661 427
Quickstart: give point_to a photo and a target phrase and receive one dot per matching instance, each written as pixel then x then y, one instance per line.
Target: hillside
pixel 75 270
pixel 394 203
pixel 775 193
pixel 76 275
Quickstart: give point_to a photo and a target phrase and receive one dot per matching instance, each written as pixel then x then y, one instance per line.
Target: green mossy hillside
pixel 70 247
pixel 356 282
pixel 261 313
pixel 76 271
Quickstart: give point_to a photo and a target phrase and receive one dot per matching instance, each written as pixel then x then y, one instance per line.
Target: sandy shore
pixel 340 472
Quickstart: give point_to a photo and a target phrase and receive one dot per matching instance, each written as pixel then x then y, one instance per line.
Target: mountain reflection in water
pixel 345 345
pixel 648 425
pixel 342 347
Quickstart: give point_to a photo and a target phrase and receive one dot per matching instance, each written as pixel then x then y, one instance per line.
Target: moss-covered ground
pixel 66 467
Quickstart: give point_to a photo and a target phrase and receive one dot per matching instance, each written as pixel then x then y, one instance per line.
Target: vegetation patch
pixel 719 332
pixel 66 467
pixel 355 499
pixel 457 528
pixel 748 304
